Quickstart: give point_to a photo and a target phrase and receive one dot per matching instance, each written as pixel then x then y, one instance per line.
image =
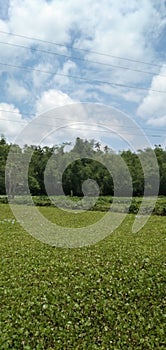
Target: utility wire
pixel 79 49
pixel 93 130
pixel 80 59
pixel 80 78
pixel 70 120
pixel 29 68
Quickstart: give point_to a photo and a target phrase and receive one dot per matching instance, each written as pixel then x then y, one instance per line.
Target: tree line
pixel 50 166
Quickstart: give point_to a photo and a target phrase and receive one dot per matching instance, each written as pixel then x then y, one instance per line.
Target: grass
pixel 107 296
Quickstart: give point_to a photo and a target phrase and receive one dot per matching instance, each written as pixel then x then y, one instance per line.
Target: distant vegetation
pixel 106 296
pixel 102 204
pixel 79 170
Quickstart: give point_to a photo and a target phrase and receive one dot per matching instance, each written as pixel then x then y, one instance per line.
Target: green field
pixel 107 296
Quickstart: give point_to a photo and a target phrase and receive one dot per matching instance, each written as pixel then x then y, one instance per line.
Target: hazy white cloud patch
pixel 122 28
pixel 49 19
pixel 62 78
pixel 153 107
pixel 11 121
pixel 158 122
pixel 39 78
pixel 16 91
pixel 51 99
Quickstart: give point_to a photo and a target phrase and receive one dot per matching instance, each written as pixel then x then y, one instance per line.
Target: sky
pixel 59 52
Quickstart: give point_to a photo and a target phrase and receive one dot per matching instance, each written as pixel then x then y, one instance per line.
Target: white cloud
pixel 40 79
pixel 16 91
pixel 62 78
pixel 90 121
pixel 58 125
pixel 119 28
pixel 47 20
pixel 161 121
pixel 51 99
pixel 153 107
pixel 11 121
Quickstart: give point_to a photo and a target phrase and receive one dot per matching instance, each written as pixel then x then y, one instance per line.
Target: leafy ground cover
pixel 107 296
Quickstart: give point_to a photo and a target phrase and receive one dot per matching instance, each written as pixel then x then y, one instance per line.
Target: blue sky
pixel 135 30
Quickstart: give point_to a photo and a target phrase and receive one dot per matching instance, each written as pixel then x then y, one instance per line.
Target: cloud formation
pixel 123 29
pixel 153 106
pixel 11 121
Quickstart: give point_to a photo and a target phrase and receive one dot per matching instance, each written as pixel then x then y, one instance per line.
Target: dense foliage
pixel 102 203
pixel 107 296
pixel 47 164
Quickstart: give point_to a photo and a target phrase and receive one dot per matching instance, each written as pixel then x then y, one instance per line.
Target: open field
pixel 107 296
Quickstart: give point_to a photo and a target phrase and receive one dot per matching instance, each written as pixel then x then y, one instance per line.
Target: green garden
pixel 106 296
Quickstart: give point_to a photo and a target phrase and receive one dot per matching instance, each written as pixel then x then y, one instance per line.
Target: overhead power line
pixel 80 49
pixel 70 120
pixel 93 130
pixel 29 68
pixel 81 59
